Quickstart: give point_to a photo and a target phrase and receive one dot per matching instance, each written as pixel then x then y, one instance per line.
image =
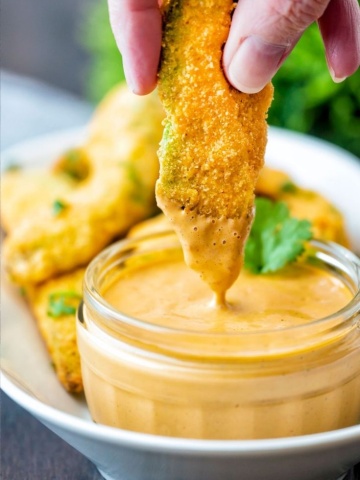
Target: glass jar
pixel 154 379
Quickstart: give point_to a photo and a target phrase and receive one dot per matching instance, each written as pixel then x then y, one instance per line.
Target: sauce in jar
pixel 160 356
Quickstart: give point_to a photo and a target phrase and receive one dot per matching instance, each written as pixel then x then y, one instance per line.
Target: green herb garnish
pixel 74 164
pixel 138 194
pixel 289 187
pixel 275 239
pixel 12 166
pixel 22 291
pixel 63 303
pixel 58 207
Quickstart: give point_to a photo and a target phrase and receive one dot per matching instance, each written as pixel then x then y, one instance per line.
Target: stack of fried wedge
pixel 57 219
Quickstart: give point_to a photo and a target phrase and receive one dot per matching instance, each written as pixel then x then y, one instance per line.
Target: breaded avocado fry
pixel 213 144
pixel 327 222
pixel 117 192
pixel 25 191
pixel 54 305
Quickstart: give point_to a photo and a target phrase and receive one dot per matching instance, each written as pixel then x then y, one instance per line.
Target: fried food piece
pixel 271 182
pixel 213 144
pixel 159 223
pixel 53 304
pixel 24 191
pixel 117 192
pixel 327 222
pixel 73 163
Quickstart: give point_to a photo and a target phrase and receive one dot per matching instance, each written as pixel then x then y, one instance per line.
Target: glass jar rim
pixel 329 253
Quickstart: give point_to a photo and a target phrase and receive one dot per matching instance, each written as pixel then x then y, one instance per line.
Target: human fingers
pixel 136 25
pixel 262 34
pixel 340 29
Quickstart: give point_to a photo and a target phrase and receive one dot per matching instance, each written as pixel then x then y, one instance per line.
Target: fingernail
pixel 335 78
pixel 128 76
pixel 130 83
pixel 339 79
pixel 254 64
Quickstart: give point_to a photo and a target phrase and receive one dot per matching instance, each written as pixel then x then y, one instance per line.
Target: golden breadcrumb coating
pixel 157 224
pixel 215 136
pixel 117 192
pixel 327 222
pixel 24 191
pixel 57 327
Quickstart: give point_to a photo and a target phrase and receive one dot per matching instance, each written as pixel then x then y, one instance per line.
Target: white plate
pixel 28 377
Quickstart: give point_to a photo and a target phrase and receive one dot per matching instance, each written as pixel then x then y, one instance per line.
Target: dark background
pixel 41 38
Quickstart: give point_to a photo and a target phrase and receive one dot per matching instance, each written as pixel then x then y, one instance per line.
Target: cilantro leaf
pixel 63 303
pixel 74 163
pixel 58 206
pixel 289 187
pixel 275 238
pixel 12 166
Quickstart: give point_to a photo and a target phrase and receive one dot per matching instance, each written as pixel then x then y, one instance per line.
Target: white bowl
pixel 29 379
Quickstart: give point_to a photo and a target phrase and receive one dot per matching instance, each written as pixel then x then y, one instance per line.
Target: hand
pixel 262 35
pixel 264 32
pixel 137 29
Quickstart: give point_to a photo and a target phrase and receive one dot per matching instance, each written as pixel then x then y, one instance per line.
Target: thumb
pixel 262 34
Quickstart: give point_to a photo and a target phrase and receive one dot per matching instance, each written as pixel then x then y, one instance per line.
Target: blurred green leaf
pixel 106 69
pixel 307 100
